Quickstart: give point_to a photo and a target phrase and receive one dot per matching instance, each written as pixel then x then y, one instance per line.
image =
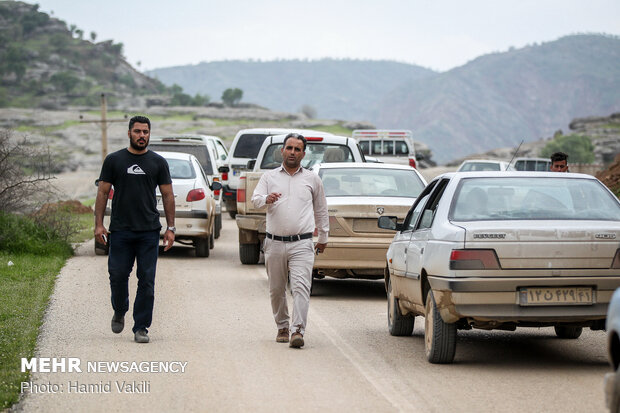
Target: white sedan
pixel 501 250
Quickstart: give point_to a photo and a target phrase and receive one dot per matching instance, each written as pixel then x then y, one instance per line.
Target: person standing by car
pixel 134 172
pixel 559 162
pixel 296 204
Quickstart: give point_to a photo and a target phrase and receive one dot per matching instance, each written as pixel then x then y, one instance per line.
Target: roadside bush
pixel 579 148
pixel 24 172
pixel 25 235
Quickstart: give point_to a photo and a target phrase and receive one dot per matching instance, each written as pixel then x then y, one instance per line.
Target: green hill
pixel 44 63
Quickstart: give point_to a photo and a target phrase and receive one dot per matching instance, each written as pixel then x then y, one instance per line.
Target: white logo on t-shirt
pixel 135 170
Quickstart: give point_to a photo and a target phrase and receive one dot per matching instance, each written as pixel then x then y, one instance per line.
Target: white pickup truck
pixel 251 221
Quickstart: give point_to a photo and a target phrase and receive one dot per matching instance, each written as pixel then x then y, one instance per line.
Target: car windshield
pixel 201 152
pixel 371 182
pixel 480 166
pixel 315 153
pixel 519 198
pixel 248 145
pixel 181 169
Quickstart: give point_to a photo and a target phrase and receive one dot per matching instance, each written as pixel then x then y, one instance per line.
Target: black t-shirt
pixel 135 177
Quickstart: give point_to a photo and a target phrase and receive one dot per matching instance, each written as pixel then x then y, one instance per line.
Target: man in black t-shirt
pixel 134 172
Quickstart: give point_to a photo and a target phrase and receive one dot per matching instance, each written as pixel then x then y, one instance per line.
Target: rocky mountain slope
pixel 44 63
pixel 495 100
pixel 500 99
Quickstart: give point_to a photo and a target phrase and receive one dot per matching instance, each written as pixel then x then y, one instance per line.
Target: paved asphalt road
pixel 214 314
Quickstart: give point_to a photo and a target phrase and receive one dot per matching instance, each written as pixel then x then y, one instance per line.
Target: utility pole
pixel 104 125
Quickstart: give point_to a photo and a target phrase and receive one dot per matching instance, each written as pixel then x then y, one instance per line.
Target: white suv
pixel 391 146
pixel 244 148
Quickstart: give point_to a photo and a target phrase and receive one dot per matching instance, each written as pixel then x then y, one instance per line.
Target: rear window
pixel 480 166
pixel 384 147
pixel 181 169
pixel 532 165
pixel 248 145
pixel 199 151
pixel 520 198
pixel 315 153
pixel 371 182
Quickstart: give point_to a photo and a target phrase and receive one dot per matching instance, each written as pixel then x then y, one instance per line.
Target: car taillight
pixel 224 176
pixel 474 260
pixel 616 261
pixel 195 195
pixel 240 190
pixel 111 193
pixel 412 162
pixel 217 191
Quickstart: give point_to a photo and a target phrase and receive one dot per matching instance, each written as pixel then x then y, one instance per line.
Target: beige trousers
pixel 294 259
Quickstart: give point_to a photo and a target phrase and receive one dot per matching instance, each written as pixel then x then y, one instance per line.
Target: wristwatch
pixel 173 229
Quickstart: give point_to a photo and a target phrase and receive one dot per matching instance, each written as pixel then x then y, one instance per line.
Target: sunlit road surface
pixel 214 314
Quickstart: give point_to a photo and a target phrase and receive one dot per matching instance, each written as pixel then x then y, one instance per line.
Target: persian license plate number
pixel 555 296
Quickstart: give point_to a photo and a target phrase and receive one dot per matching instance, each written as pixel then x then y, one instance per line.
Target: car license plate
pixel 555 296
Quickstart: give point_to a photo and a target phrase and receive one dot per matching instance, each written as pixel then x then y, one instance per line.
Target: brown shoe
pixel 282 336
pixel 297 340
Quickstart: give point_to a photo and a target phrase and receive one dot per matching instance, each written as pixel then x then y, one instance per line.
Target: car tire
pixel 249 253
pixel 612 391
pixel 439 336
pixel 398 324
pixel 101 249
pixel 212 239
pixel 202 246
pixel 217 226
pixel 568 332
pixel 232 214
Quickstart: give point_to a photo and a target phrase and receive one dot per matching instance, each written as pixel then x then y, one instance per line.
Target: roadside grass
pixel 31 256
pixel 85 228
pixel 25 288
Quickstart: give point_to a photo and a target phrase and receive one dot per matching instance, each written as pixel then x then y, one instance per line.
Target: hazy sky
pixel 433 33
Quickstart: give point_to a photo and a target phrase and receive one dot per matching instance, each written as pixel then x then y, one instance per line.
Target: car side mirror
pixel 223 169
pixel 389 222
pixel 250 164
pixel 215 186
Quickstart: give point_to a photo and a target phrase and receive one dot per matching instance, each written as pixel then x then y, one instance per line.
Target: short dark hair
pixel 139 119
pixel 559 156
pixel 295 136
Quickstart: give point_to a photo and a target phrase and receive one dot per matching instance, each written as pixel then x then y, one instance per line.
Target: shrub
pixel 24 235
pixel 579 148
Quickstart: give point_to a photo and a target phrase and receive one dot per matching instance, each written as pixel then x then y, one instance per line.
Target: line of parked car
pixel 491 246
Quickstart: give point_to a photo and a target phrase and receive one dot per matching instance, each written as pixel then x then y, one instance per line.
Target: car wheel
pixel 612 391
pixel 202 246
pixel 101 249
pixel 212 239
pixel 568 331
pixel 249 253
pixel 232 214
pixel 439 336
pixel 398 324
pixel 218 225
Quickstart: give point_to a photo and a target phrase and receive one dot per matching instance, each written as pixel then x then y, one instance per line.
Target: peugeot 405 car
pixel 357 194
pixel 500 250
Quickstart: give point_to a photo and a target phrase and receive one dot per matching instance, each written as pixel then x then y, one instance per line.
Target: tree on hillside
pixel 232 97
pixel 578 147
pixel 93 36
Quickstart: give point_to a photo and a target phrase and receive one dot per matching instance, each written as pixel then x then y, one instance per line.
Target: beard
pixel 292 163
pixel 138 146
